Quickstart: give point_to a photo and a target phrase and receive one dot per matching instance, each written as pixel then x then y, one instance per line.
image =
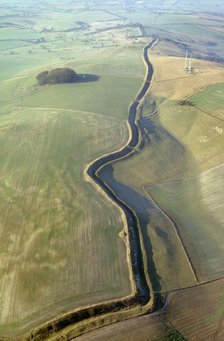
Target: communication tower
pixel 188 62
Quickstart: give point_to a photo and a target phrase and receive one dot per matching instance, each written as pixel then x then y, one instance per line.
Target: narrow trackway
pixel 143 293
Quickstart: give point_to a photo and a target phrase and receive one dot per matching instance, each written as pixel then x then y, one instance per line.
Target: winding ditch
pixel 143 294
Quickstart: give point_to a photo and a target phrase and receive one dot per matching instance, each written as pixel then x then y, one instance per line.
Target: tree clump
pixel 57 76
pixel 186 102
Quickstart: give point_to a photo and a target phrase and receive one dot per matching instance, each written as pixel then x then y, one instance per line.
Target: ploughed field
pixel 191 314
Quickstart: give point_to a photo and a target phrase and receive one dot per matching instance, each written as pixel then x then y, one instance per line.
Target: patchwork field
pixel 60 247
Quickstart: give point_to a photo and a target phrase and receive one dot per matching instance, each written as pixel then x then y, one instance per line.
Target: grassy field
pixel 211 100
pixel 104 96
pixel 202 134
pixel 196 205
pixel 54 239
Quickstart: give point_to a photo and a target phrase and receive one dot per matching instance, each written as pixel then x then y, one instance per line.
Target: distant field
pixel 96 16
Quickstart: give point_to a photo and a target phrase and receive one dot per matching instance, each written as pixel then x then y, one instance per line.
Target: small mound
pixel 57 76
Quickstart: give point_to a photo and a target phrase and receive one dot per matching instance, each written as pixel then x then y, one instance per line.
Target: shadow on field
pixel 142 206
pixel 86 78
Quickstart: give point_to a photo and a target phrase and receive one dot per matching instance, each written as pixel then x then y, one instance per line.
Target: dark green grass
pixel 210 99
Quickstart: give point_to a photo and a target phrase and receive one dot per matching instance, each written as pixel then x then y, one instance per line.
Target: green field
pixel 104 97
pixel 211 99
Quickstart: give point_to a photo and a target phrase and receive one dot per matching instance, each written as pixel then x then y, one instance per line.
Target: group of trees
pixel 57 76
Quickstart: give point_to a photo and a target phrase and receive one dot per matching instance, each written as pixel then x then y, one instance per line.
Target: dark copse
pixel 57 76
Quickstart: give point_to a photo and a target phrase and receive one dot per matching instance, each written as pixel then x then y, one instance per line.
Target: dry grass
pixel 171 81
